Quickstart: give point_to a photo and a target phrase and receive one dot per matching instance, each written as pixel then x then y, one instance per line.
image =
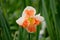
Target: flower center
pixel 31 21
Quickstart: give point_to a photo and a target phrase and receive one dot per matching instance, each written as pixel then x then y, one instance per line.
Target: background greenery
pixel 11 10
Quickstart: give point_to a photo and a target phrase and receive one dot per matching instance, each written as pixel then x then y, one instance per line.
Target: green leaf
pixel 5 28
pixel 49 21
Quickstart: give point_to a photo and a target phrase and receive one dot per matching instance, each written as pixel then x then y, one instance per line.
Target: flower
pixel 29 20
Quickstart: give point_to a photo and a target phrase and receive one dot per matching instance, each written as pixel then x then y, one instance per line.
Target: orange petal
pixel 31 28
pixel 37 22
pixel 29 12
pixel 25 23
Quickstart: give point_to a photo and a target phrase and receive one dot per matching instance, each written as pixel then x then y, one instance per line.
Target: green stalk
pixel 25 34
pixel 53 9
pixel 29 35
pixel 49 25
pixel 37 32
pixel 5 27
pixel 20 37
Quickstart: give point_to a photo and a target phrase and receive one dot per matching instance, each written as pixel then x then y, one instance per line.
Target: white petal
pixel 23 15
pixel 43 25
pixel 39 17
pixel 41 32
pixel 20 21
pixel 29 8
pixel 43 28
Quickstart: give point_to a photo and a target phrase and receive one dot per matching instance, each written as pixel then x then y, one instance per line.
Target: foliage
pixel 10 10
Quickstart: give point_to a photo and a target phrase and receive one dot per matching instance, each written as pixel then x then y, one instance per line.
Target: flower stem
pixel 28 36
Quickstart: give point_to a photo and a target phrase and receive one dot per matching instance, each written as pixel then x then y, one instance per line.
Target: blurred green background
pixel 11 10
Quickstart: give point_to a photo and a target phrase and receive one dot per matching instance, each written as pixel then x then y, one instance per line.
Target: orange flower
pixel 29 20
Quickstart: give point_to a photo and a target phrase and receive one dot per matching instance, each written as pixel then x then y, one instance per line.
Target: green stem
pixel 28 36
